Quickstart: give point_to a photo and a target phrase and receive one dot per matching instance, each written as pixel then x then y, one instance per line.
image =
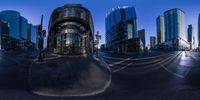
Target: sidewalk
pixel 69 76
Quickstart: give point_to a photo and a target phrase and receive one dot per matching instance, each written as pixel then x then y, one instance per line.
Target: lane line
pixel 138 68
pixel 117 63
pixel 173 73
pixel 136 59
pixel 121 68
pixel 146 58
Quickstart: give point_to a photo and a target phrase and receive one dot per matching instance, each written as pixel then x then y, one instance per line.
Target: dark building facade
pixel 141 35
pixel 121 25
pixel 71 31
pixel 189 30
pixel 190 35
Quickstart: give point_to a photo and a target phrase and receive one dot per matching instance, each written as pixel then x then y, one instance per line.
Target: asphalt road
pixel 162 76
pixel 171 76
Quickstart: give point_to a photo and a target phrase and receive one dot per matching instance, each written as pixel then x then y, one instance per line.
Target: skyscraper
pixel 189 30
pixel 121 26
pixel 160 30
pixel 141 35
pixel 152 42
pixel 175 29
pixel 14 30
pixel 190 35
pixel 12 18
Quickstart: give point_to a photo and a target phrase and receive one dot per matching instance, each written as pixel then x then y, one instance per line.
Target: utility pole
pixel 42 34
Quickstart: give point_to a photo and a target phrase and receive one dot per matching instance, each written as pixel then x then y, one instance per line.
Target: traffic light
pixel 44 33
pixel 40 29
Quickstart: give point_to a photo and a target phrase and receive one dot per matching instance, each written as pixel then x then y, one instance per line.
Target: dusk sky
pixel 147 11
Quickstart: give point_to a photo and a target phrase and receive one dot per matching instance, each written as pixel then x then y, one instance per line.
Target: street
pixel 172 76
pixel 159 76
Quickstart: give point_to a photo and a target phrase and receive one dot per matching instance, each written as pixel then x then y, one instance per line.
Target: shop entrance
pixel 71 44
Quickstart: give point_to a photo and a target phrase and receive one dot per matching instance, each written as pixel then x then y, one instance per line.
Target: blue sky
pixel 147 11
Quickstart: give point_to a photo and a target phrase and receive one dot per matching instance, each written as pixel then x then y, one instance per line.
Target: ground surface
pixel 158 76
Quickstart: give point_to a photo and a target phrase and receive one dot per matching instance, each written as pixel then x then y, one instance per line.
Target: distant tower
pixel 152 41
pixel 160 30
pixel 194 47
pixel 141 35
pixel 190 35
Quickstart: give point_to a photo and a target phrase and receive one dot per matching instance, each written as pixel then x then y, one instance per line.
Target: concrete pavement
pixel 69 76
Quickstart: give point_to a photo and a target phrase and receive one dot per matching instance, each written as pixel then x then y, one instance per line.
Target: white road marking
pixel 116 63
pixel 131 59
pixel 178 75
pixel 121 68
pixel 173 73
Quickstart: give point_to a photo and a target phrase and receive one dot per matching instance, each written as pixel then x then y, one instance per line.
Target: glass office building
pixel 71 31
pixel 4 36
pixel 160 30
pixel 14 30
pixel 32 34
pixel 175 29
pixel 23 28
pixel 12 17
pixel 121 25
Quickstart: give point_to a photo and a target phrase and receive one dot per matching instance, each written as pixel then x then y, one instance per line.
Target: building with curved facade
pixel 14 30
pixel 71 30
pixel 11 17
pixel 121 26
